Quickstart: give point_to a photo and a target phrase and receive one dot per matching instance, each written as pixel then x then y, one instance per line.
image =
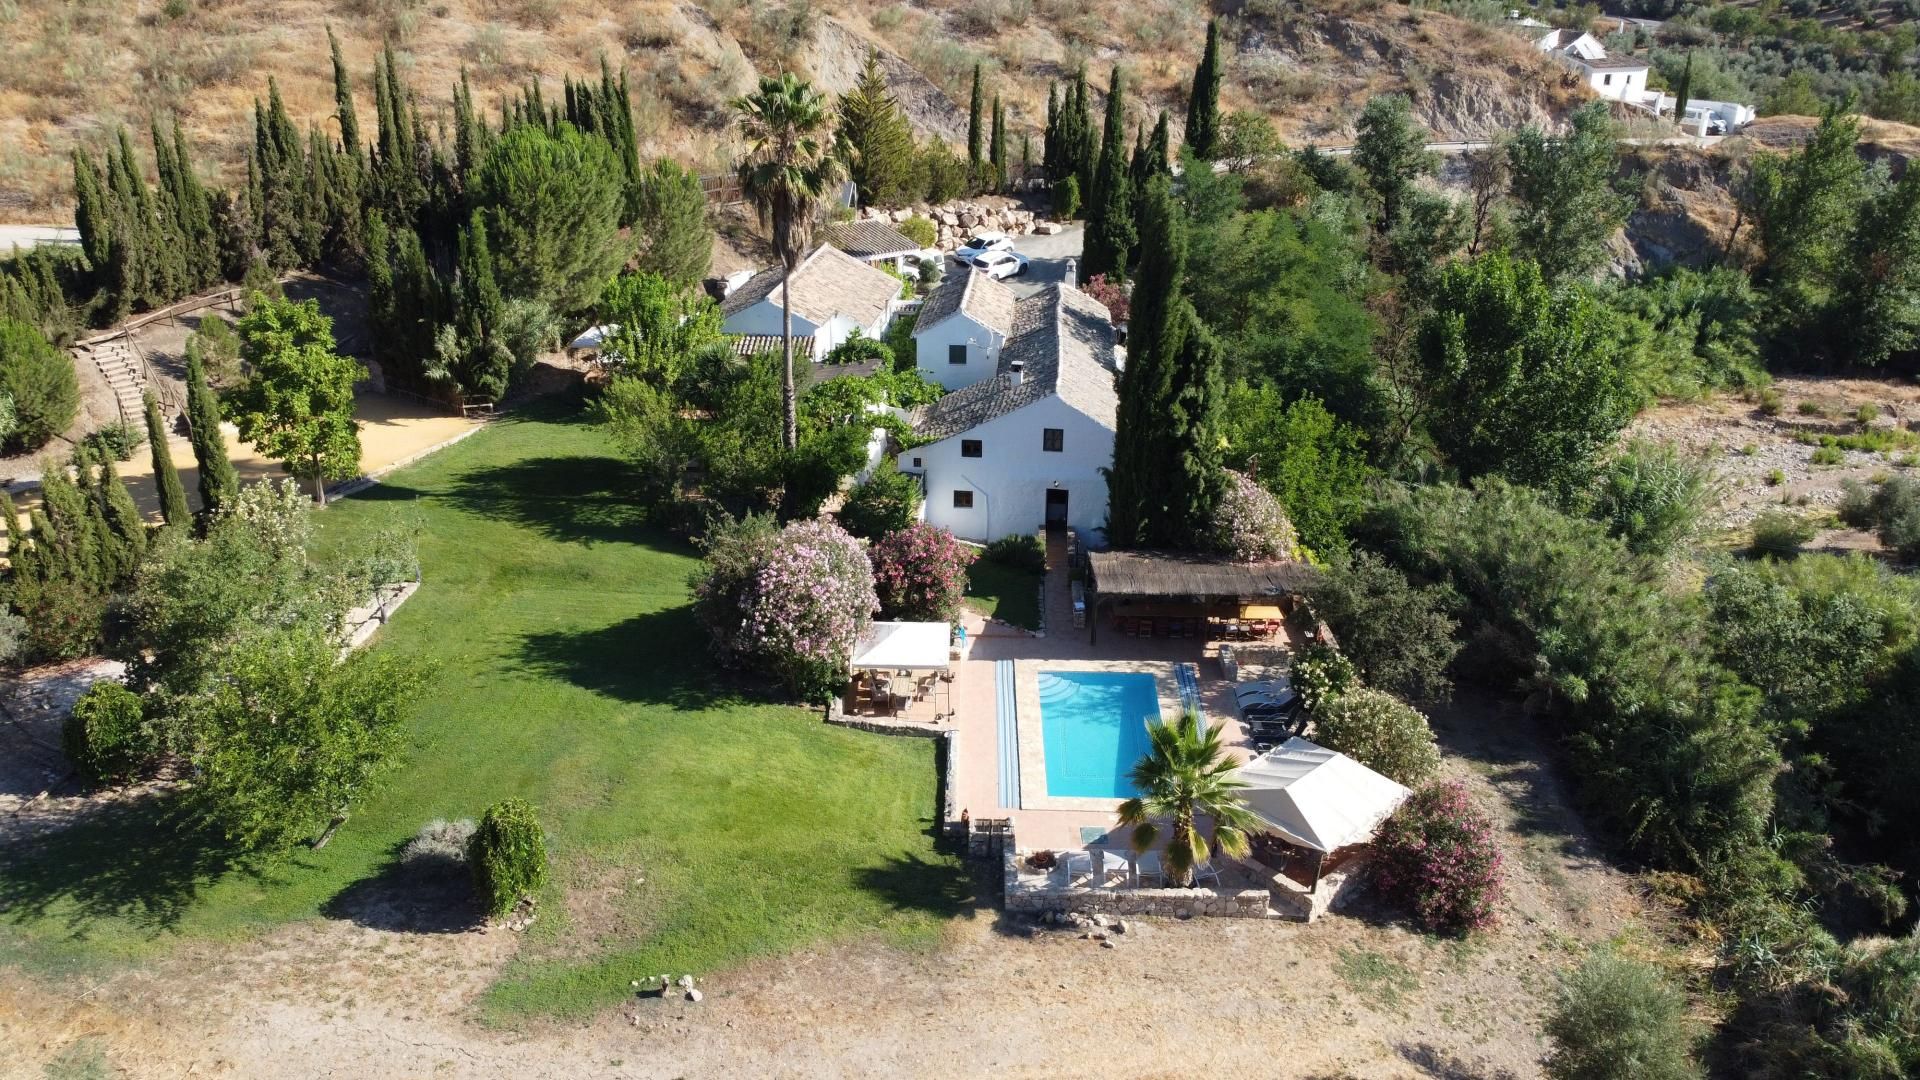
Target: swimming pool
pixel 1094 728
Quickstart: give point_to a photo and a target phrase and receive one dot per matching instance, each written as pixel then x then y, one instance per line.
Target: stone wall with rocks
pixel 954 222
pixel 1032 892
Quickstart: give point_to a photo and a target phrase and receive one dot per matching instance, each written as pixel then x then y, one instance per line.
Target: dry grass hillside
pixel 76 69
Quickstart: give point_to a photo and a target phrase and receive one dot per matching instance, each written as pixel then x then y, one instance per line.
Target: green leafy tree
pixel 298 405
pixel 1203 100
pixel 1390 148
pixel 218 481
pixel 551 202
pixel 1248 138
pixel 1187 774
pixel 1878 309
pixel 670 221
pixel 1620 1019
pixel 876 139
pixel 660 328
pixel 1400 636
pixel 1382 733
pixel 1805 207
pixel 1521 377
pixel 788 172
pixel 508 854
pixel 1567 196
pixel 173 494
pixel 40 382
pixel 1311 461
pixel 1111 233
pixel 886 502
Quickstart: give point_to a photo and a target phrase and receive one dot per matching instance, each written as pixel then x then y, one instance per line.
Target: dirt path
pixel 1354 995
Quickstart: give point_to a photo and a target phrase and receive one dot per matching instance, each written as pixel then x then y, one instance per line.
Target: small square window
pixel 916 463
pixel 1053 439
pixel 963 500
pixel 956 354
pixel 969 447
pixel 1609 80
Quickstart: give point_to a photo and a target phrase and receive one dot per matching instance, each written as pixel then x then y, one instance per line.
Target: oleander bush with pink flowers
pixel 792 601
pixel 1437 855
pixel 1250 524
pixel 920 573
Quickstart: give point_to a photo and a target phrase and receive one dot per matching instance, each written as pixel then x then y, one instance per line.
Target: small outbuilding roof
pixel 903 646
pixel 1318 798
pixel 1610 63
pixel 969 291
pixel 1175 574
pixel 871 240
pixel 828 282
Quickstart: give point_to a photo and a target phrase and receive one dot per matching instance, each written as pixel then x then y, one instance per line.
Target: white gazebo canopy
pixel 1318 798
pixel 903 646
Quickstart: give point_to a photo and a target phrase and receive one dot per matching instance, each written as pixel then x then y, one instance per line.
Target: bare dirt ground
pixel 1763 464
pixel 1355 995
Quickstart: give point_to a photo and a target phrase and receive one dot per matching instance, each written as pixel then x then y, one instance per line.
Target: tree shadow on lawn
pixel 586 500
pixel 658 658
pixel 434 896
pixel 143 861
pixel 945 888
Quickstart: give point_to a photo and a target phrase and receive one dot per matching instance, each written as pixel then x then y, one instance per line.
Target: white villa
pixel 961 328
pixel 1024 445
pixel 1619 77
pixel 834 294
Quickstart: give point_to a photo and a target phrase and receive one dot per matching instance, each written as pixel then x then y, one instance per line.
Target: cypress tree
pixel 976 132
pixel 380 292
pixel 488 364
pixel 1683 91
pixel 1081 146
pixel 997 147
pixel 71 542
pixel 287 219
pixel 343 110
pixel 1050 136
pixel 173 494
pixel 194 207
pixel 879 144
pixel 1203 102
pixel 122 518
pixel 1160 149
pixel 218 481
pixel 1026 155
pixel 1110 228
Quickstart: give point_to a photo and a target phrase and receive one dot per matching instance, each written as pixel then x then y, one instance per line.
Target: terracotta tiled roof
pixel 828 282
pixel 1063 339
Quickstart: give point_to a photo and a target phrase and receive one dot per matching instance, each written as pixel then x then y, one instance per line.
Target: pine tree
pixel 218 481
pixel 1166 478
pixel 674 232
pixel 997 147
pixel 878 143
pixel 1203 102
pixel 1110 232
pixel 173 494
pixel 976 131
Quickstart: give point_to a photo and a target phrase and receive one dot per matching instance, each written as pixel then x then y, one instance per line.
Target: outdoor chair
pixel 1205 872
pixel 1147 865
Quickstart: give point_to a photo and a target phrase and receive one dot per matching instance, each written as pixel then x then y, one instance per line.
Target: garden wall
pixel 1031 892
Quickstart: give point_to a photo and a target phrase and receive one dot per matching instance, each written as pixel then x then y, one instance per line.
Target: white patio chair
pixel 1147 865
pixel 1206 871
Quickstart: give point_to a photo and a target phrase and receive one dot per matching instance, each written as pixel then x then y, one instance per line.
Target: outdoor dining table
pixel 1081 862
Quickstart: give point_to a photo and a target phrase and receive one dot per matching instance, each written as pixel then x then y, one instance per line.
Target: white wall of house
pixel 1627 85
pixel 764 318
pixel 1010 479
pixel 933 351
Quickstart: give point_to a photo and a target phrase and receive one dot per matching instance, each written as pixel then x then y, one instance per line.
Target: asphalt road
pixel 1048 255
pixel 26 236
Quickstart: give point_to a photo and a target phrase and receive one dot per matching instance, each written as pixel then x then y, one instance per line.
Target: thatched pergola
pixel 1185 577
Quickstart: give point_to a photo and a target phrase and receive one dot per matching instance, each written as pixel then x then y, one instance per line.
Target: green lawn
pixel 569 672
pixel 1002 592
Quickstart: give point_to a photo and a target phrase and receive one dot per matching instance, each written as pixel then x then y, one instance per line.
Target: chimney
pixel 1016 371
pixel 1072 276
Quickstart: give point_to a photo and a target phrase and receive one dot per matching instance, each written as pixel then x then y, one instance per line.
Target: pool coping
pixel 1032 741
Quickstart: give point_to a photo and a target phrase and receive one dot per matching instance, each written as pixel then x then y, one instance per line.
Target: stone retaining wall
pixel 1033 893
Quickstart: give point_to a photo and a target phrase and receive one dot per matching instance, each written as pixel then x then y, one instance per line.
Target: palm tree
pixel 789 169
pixel 1185 774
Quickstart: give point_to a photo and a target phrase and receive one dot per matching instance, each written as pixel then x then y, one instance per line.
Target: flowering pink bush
pixel 1437 855
pixel 1250 524
pixel 1115 297
pixel 920 573
pixel 795 602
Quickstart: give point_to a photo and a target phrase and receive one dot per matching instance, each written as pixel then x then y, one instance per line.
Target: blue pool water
pixel 1094 728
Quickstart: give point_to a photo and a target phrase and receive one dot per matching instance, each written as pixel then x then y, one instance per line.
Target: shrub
pixel 105 734
pixel 1114 296
pixel 1653 498
pixel 860 349
pixel 1769 402
pixel 1893 508
pixel 1399 636
pixel 919 229
pixel 439 849
pixel 1250 525
pixel 1019 551
pixel 1856 509
pixel 1066 199
pixel 117 440
pixel 1380 732
pixel 920 573
pixel 793 602
pixel 508 854
pixel 1619 1019
pixel 1780 533
pixel 1437 855
pixel 1828 455
pixel 1810 408
pixel 40 380
pixel 1866 414
pixel 1776 477
pixel 886 502
pixel 1321 673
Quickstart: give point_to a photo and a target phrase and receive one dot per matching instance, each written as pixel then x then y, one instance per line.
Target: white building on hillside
pixel 1570 44
pixel 961 328
pixel 834 294
pixel 1026 446
pixel 1621 78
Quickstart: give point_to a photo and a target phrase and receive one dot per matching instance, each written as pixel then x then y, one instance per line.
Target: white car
pixel 1001 264
pixel 981 243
